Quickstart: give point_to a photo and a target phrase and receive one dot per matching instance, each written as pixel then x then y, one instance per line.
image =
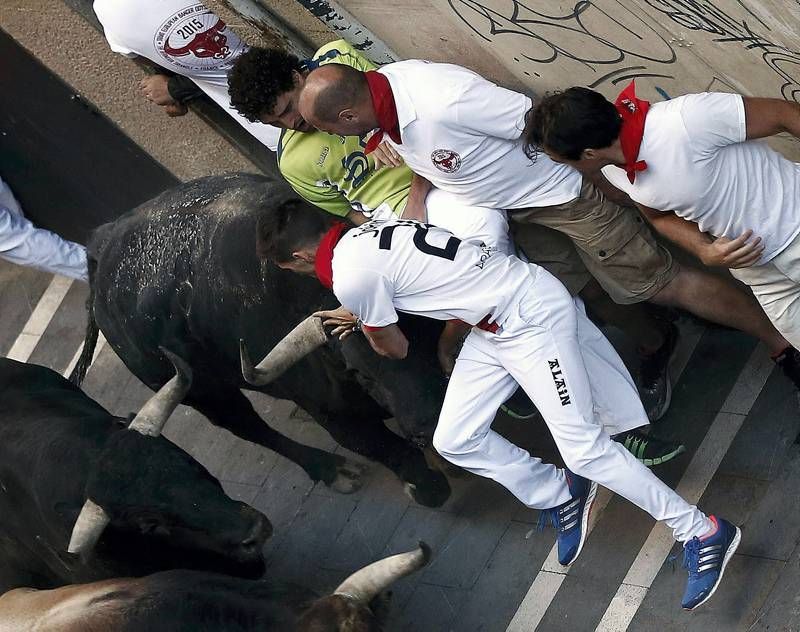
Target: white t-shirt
pixel 186 38
pixel 385 266
pixel 462 133
pixel 700 165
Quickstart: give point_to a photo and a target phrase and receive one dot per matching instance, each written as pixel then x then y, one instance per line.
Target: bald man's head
pixel 336 99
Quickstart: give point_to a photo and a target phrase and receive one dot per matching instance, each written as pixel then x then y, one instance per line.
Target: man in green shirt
pixel 334 172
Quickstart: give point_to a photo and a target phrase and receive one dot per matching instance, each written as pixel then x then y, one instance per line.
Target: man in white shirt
pixel 524 328
pixel 185 38
pixel 463 134
pixel 695 168
pixel 24 244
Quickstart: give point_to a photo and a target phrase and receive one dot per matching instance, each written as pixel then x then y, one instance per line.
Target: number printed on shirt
pixel 421 232
pixel 186 32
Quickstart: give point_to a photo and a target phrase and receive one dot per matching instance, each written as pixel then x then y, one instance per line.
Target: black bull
pixel 181 272
pixel 58 447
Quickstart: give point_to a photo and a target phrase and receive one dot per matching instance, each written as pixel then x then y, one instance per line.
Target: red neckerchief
pixel 385 110
pixel 323 261
pixel 633 112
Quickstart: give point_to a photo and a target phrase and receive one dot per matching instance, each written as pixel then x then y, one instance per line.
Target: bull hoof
pixel 432 490
pixel 349 477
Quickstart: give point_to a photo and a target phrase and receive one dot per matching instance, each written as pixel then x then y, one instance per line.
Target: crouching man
pixel 526 329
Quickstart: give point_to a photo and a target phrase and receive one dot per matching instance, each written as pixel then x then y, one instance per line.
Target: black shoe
pixel 519 406
pixel 654 384
pixel 647 449
pixel 789 361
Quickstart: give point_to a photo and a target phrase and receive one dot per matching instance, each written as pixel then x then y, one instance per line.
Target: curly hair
pixel 258 77
pixel 569 122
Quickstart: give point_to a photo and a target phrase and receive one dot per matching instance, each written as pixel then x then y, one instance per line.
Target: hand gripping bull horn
pixel 151 419
pixel 364 585
pixel 298 343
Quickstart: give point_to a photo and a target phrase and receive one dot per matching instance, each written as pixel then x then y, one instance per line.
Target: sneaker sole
pixel 667 399
pixel 728 555
pixel 663 459
pixel 515 415
pixel 587 511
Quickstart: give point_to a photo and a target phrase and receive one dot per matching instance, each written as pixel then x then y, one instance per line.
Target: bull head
pixel 150 421
pixel 364 585
pixel 297 344
pixel 349 609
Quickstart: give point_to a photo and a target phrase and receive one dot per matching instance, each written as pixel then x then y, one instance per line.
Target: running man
pixel 524 328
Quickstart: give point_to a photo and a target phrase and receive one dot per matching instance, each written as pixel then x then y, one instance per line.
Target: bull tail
pixel 90 340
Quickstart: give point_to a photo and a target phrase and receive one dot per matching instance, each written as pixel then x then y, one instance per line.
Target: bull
pixel 181 271
pixel 85 495
pixel 191 601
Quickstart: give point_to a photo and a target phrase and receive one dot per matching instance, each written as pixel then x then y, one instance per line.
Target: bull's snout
pixel 252 543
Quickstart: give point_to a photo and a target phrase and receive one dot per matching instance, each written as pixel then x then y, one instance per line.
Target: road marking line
pixel 39 319
pixel 695 480
pixel 545 585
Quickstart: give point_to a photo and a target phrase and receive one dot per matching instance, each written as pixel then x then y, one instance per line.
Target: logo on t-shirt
pixel 196 39
pixel 446 160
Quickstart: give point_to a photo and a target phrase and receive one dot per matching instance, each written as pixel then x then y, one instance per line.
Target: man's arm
pixel 767 117
pixel 415 205
pixel 387 341
pixel 741 252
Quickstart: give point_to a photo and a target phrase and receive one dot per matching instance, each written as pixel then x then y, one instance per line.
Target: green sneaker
pixel 649 450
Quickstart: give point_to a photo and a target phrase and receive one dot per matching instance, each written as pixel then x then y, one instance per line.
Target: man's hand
pixel 385 155
pixel 343 321
pixel 155 89
pixel 176 109
pixel 734 253
pixel 450 341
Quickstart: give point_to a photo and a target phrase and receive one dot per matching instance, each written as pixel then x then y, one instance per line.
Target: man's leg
pixel 720 301
pixel 544 354
pixel 464 435
pixel 613 245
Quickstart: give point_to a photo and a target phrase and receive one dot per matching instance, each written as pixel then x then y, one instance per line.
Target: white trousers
pixel 474 223
pixel 24 244
pixel 776 285
pixel 578 382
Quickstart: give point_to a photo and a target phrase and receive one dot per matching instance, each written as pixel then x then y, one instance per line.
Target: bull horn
pixel 88 528
pixel 298 343
pixel 152 417
pixel 364 585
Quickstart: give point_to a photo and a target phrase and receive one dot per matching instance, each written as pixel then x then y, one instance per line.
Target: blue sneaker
pixel 571 519
pixel 706 560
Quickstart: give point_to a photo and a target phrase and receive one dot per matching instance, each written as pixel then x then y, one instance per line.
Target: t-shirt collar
pixel 633 112
pixel 323 260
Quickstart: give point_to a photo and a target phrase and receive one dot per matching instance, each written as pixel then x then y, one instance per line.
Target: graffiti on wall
pixel 614 43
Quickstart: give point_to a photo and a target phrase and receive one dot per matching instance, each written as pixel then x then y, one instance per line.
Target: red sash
pixel 385 110
pixel 633 112
pixel 323 261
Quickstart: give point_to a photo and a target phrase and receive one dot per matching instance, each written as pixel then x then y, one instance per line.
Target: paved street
pixel 492 570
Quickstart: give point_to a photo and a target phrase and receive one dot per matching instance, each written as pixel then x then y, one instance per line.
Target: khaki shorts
pixel 613 243
pixel 776 285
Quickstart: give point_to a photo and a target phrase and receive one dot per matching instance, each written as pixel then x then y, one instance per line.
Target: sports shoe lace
pixel 553 517
pixel 691 556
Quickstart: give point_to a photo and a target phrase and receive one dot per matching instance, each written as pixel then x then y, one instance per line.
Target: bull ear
pixel 364 585
pixel 88 528
pixel 298 343
pixel 152 417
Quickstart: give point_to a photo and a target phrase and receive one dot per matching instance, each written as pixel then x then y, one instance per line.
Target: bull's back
pixel 181 272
